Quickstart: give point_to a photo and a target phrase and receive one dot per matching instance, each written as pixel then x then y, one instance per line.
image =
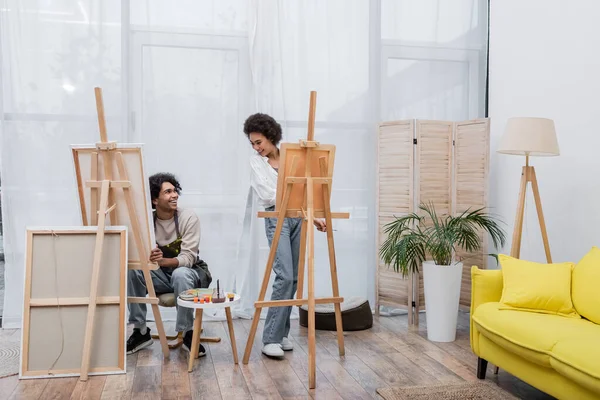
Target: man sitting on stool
pixel 177 234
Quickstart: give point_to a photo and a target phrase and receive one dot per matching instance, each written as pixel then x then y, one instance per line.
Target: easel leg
pixel 159 325
pixel 302 252
pixel 252 332
pixel 135 224
pixel 94 191
pixel 89 328
pixel 538 206
pixel 267 275
pixel 332 262
pixel 301 260
pixel 515 250
pixel 311 287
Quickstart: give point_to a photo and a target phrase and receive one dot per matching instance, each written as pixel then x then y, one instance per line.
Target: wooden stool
pixel 200 307
pixel 174 341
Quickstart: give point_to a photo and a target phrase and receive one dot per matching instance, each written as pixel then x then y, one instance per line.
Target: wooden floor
pixel 386 355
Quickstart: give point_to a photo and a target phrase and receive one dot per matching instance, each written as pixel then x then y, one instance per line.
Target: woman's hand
pixel 320 224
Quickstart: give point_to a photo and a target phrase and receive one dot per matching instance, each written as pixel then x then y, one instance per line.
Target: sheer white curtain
pixel 182 79
pixel 324 46
pixel 53 54
pixel 434 56
pixel 190 93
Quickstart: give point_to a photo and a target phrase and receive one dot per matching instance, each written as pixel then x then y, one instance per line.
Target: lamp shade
pixel 529 137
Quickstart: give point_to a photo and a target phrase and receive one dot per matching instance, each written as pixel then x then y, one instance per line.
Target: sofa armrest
pixel 486 287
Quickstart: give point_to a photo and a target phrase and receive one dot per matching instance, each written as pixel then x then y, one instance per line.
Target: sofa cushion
pixel 528 334
pixel 585 284
pixel 579 360
pixel 531 286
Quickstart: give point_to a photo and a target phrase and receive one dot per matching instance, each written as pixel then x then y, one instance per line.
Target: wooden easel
pixel 528 175
pixel 296 198
pixel 106 188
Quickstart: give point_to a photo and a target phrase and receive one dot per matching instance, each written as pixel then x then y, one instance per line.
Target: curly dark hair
pixel 265 124
pixel 156 182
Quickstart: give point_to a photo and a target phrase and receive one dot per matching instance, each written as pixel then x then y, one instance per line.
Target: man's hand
pixel 321 224
pixel 156 255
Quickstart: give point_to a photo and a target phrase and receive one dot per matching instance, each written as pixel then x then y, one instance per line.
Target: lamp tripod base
pixel 528 176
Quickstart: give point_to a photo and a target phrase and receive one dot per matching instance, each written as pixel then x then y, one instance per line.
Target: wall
pixel 544 62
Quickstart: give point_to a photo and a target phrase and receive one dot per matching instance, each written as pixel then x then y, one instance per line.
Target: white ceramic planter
pixel 442 294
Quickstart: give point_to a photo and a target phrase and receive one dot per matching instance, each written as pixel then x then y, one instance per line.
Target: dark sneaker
pixel 187 344
pixel 137 341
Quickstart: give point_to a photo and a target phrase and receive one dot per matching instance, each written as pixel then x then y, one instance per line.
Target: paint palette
pixel 190 294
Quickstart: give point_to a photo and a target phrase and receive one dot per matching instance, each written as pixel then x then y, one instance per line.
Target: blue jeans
pixel 182 278
pixel 277 324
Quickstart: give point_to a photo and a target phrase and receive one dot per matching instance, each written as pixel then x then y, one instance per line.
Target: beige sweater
pixel 189 228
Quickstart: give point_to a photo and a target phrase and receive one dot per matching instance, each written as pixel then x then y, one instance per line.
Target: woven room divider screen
pixel 442 162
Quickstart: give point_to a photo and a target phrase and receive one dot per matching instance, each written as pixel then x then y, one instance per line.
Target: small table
pixel 198 325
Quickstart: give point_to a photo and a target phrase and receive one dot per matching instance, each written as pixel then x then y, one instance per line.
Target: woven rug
pixel 10 350
pixel 462 391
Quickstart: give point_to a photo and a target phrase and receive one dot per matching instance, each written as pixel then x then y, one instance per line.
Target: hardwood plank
pixel 147 383
pixel 282 377
pixel 342 381
pixel 331 345
pixel 90 389
pixel 150 356
pixel 364 375
pixel 59 388
pixel 229 376
pixel 412 371
pixel 330 367
pixel 434 369
pixel 259 381
pixel 203 378
pixel 378 362
pixel 374 342
pixel 298 359
pixel 420 344
pixel 390 353
pixel 231 382
pixel 30 389
pixel 393 340
pixel 452 364
pixel 120 386
pixel 175 378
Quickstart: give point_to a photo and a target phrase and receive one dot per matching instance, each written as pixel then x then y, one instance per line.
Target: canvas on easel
pixel 303 191
pixel 113 186
pixel 83 158
pixel 57 297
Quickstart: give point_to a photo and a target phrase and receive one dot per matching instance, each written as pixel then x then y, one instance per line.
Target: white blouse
pixel 263 179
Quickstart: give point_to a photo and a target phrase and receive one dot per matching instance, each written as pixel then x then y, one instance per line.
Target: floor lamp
pixel 529 137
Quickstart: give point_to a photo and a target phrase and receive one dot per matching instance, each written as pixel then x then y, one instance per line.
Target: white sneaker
pixel 286 344
pixel 272 350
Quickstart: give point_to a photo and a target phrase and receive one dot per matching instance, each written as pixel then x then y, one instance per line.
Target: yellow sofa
pixel 556 354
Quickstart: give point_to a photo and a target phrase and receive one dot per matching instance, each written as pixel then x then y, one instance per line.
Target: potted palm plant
pixel 432 241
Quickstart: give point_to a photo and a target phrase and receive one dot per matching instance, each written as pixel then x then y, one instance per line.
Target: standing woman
pixel 264 134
